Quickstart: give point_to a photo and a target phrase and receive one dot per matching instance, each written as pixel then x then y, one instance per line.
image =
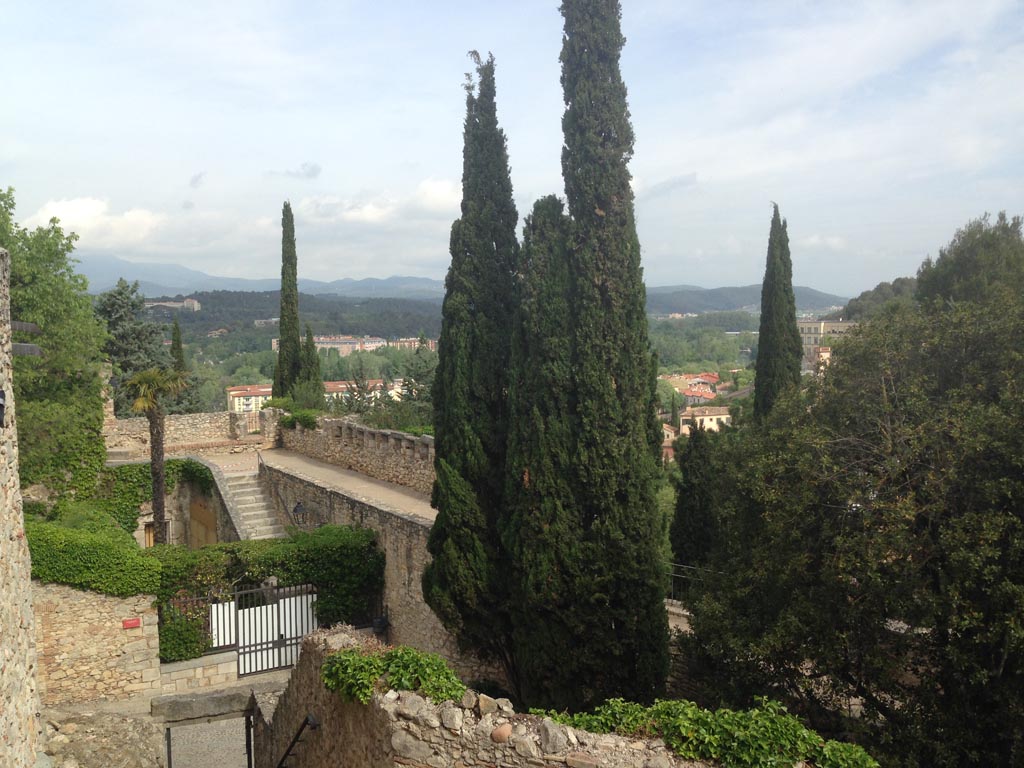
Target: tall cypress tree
pixel 621 648
pixel 778 343
pixel 177 349
pixel 542 530
pixel 465 583
pixel 289 356
pixel 309 369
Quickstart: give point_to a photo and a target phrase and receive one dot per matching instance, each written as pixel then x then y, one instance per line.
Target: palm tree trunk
pixel 156 471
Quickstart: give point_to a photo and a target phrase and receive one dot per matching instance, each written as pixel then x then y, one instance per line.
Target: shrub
pixel 103 561
pixel 304 417
pixel 356 673
pixel 763 737
pixel 183 634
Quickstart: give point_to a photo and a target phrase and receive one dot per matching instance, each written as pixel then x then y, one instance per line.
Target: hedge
pixel 108 561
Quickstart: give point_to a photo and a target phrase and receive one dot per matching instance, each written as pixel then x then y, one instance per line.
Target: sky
pixel 173 132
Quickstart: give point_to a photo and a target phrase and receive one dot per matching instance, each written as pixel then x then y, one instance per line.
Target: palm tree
pixel 148 389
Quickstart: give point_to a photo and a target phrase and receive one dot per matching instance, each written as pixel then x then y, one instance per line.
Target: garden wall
pixel 403 539
pixel 90 647
pixel 394 457
pixel 404 729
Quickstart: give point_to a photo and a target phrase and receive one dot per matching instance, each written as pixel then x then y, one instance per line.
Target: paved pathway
pixel 359 486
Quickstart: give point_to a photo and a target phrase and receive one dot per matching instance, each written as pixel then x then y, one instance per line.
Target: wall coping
pixel 208 660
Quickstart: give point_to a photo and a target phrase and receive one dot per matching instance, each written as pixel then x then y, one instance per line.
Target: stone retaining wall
pixel 394 457
pixel 88 648
pixel 403 539
pixel 404 729
pixel 19 698
pixel 184 432
pixel 217 669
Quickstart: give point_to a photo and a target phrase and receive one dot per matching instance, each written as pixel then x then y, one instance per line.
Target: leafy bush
pixel 183 634
pixel 283 403
pixel 356 673
pixel 763 737
pixel 106 561
pixel 304 417
pixel 309 395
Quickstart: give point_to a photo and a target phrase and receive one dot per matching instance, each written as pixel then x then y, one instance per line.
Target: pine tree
pixel 621 647
pixel 177 349
pixel 779 350
pixel 542 529
pixel 289 355
pixel 465 582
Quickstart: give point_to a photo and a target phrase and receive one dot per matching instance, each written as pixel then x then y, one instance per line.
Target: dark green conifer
pixel 693 526
pixel 177 349
pixel 542 530
pixel 779 350
pixel 621 647
pixel 289 355
pixel 465 583
pixel 309 369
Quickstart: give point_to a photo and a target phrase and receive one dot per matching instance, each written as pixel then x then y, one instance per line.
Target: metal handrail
pixel 309 721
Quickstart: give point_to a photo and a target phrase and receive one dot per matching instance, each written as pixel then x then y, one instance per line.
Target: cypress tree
pixel 543 530
pixel 778 343
pixel 289 355
pixel 674 418
pixel 692 531
pixel 309 370
pixel 621 646
pixel 177 349
pixel 465 583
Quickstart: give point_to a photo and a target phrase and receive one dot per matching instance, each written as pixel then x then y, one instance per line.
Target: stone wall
pixel 184 431
pixel 217 669
pixel 407 730
pixel 89 649
pixel 19 699
pixel 403 539
pixel 385 455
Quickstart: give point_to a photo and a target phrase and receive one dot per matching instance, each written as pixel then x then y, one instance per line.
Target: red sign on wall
pixel 131 623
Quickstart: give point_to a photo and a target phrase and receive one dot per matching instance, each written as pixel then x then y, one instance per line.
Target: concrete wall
pixel 403 539
pixel 19 699
pixel 391 456
pixel 408 730
pixel 86 651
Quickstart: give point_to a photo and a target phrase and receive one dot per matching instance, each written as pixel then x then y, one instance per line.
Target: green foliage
pixel 410 416
pixel 120 491
pixel 308 395
pixel 779 349
pixel 695 344
pixel 464 583
pixel 183 634
pixel 693 525
pixel 344 564
pixel 763 737
pixel 134 343
pixel 619 626
pixel 60 408
pixel 307 419
pixel 356 673
pixel 871 302
pixel 983 258
pixel 871 535
pixel 289 353
pixel 309 368
pixel 91 556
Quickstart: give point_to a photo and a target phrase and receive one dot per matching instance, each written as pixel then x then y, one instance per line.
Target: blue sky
pixel 173 132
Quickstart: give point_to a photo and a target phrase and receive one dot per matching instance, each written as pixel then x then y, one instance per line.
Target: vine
pixel 356 673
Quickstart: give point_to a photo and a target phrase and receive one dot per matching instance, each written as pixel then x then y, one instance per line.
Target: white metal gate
pixel 269 624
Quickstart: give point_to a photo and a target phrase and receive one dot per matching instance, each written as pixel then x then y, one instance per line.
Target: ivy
pixel 763 737
pixel 355 673
pixel 106 561
pixel 124 489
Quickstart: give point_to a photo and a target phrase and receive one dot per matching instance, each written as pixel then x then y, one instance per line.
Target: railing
pixel 680 574
pixel 309 721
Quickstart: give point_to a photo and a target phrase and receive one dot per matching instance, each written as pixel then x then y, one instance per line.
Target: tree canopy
pixel 289 352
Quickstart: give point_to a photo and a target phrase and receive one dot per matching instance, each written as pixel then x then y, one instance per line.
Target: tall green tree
pixel 983 258
pixel 309 370
pixel 177 349
pixel 134 342
pixel 60 405
pixel 693 526
pixel 465 582
pixel 542 529
pixel 779 349
pixel 150 390
pixel 289 353
pixel 622 643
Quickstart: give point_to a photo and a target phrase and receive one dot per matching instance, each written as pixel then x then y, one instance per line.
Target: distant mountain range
pixel 173 280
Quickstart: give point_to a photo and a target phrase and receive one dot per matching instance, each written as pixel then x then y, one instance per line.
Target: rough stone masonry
pixel 19 700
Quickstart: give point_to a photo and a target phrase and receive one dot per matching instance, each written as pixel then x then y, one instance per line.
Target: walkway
pixel 330 476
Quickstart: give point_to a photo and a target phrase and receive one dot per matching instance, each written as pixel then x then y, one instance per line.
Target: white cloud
pixel 96 226
pixel 325 209
pixel 830 242
pixel 439 196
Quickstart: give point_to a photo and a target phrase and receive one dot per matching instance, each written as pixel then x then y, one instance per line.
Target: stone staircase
pixel 256 518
